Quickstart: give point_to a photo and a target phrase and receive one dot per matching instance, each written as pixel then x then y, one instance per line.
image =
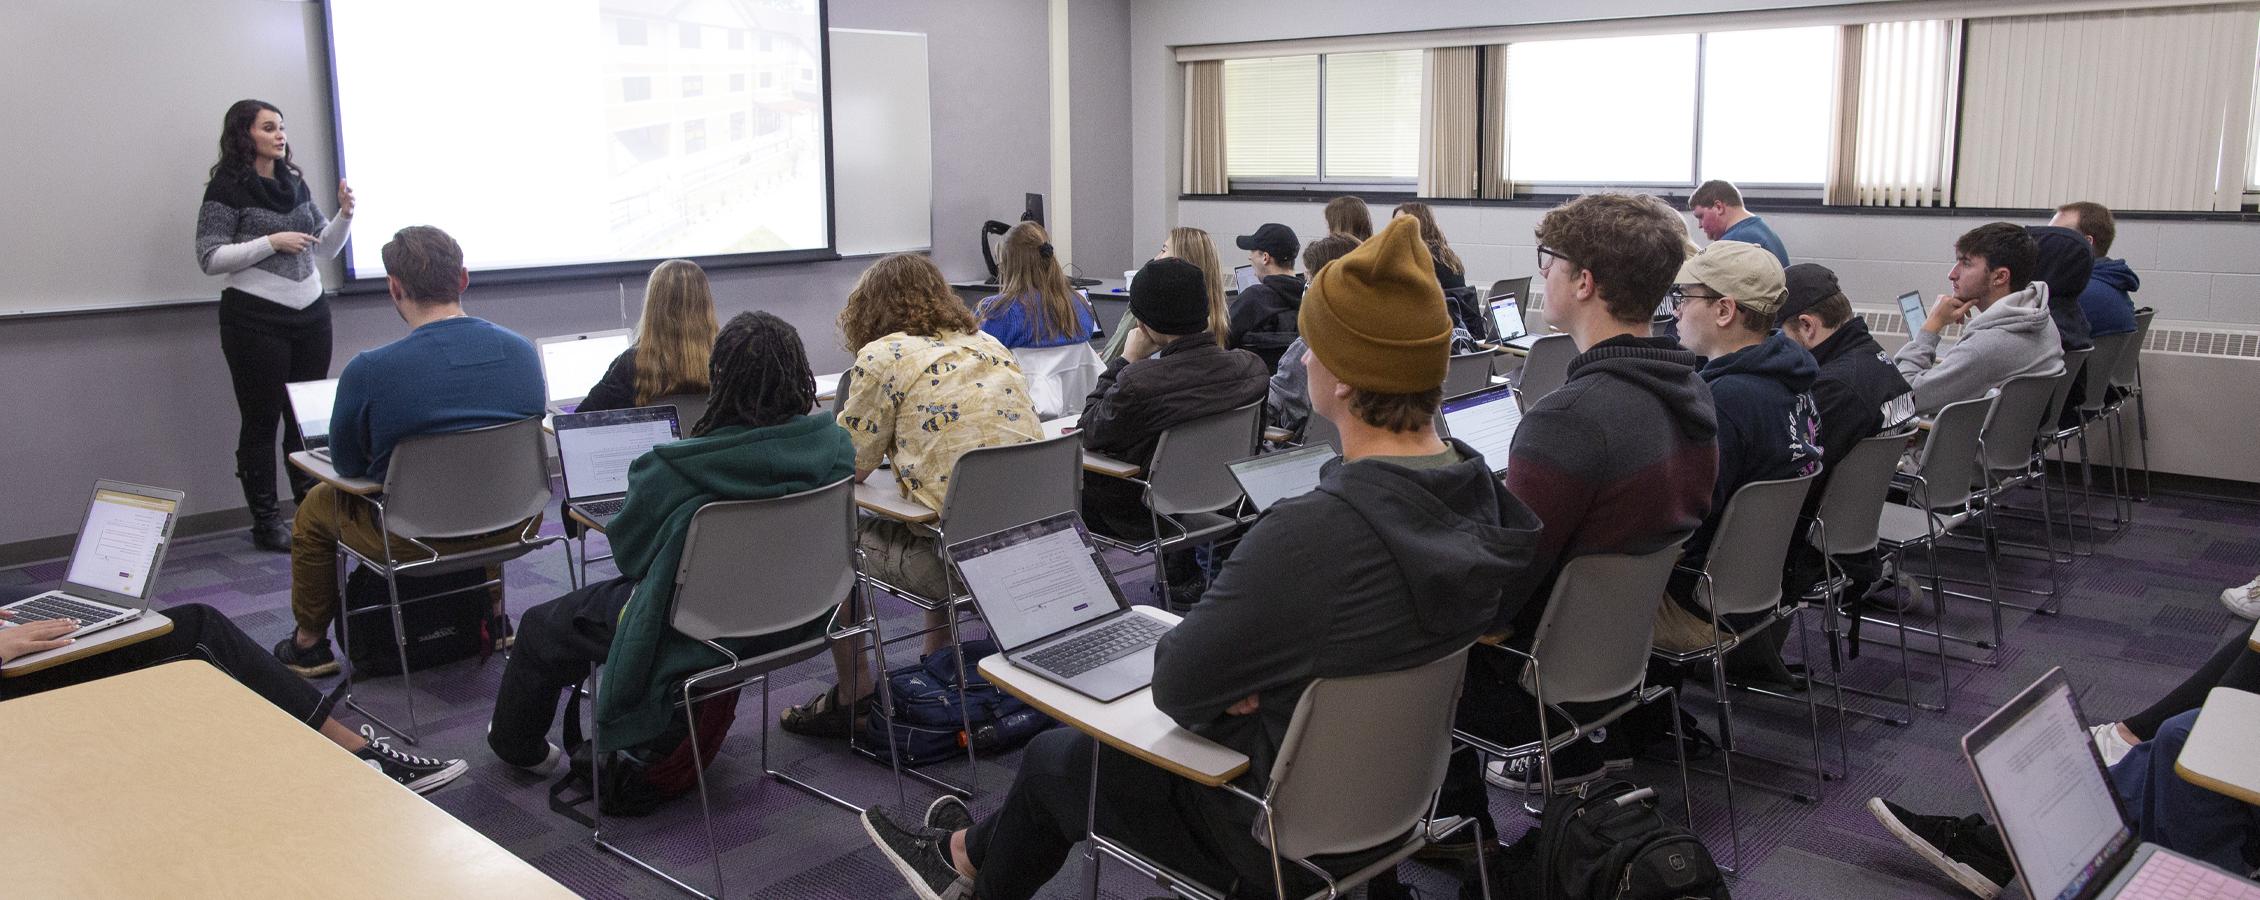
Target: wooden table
pixel 1092 462
pixel 175 781
pixel 151 624
pixel 2218 756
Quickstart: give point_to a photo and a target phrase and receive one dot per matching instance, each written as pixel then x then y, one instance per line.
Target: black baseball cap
pixel 1808 284
pixel 1275 239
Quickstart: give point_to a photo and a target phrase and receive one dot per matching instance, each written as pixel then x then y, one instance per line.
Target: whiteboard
pixel 883 142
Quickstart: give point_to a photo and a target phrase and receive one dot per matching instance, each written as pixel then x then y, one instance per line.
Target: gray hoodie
pixel 2013 337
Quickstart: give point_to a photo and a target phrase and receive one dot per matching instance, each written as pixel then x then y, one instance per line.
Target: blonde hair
pixel 1193 245
pixel 675 336
pixel 1431 235
pixel 901 292
pixel 1347 215
pixel 1028 276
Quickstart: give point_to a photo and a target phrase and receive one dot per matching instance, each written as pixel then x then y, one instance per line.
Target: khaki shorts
pixel 901 556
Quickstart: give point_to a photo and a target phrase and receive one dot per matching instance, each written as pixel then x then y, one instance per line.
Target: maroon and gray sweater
pixel 1620 459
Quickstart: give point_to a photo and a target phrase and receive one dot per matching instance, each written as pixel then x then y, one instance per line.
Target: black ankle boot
pixel 268 529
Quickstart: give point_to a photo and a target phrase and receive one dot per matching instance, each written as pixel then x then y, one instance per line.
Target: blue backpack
pixel 929 726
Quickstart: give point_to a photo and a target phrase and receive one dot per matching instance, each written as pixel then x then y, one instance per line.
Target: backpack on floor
pixel 1608 842
pixel 931 710
pixel 441 630
pixel 638 780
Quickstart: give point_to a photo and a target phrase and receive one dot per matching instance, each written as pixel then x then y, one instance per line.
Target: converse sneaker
pixel 1522 774
pixel 948 814
pixel 2109 743
pixel 421 774
pixel 920 854
pixel 1966 849
pixel 309 662
pixel 2244 599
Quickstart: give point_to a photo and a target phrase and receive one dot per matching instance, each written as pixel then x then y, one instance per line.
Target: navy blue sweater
pixel 450 375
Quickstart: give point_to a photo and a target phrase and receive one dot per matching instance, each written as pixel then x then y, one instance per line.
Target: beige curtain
pixel 1843 144
pixel 1450 137
pixel 2142 109
pixel 1491 174
pixel 1894 139
pixel 1204 128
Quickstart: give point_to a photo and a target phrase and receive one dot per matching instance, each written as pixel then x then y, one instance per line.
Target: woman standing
pixel 258 226
pixel 674 341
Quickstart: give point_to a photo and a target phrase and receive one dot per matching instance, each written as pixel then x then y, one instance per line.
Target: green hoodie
pixel 665 487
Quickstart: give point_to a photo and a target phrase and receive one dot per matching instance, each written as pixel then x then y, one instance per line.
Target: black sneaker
pixel 921 855
pixel 1967 849
pixel 948 814
pixel 421 774
pixel 309 662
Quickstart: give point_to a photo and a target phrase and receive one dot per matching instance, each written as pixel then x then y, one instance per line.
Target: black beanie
pixel 2065 260
pixel 1170 296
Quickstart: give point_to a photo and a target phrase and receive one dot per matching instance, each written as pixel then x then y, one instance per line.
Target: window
pixel 1364 126
pixel 1766 101
pixel 694 135
pixel 694 85
pixel 630 33
pixel 1271 116
pixel 737 38
pixel 737 82
pixel 690 38
pixel 1372 116
pixel 635 88
pixel 737 126
pixel 1602 110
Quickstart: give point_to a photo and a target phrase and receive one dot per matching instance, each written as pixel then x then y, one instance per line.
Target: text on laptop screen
pixel 2047 786
pixel 117 547
pixel 571 367
pixel 1273 477
pixel 1485 420
pixel 1506 316
pixel 311 402
pixel 597 448
pixel 1038 582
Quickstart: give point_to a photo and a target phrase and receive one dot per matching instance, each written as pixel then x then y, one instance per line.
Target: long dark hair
pixel 236 150
pixel 760 375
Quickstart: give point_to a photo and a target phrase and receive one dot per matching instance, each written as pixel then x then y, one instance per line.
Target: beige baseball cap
pixel 1746 272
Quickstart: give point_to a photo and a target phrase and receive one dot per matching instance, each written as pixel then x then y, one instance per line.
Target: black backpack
pixel 441 629
pixel 1608 842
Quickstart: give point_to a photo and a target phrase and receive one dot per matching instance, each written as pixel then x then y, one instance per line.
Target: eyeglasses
pixel 1680 296
pixel 1547 256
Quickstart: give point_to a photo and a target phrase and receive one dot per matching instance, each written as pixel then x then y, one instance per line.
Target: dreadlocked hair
pixel 760 375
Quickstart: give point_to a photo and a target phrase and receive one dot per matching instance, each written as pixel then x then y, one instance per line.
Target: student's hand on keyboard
pixel 27 638
pixel 1246 707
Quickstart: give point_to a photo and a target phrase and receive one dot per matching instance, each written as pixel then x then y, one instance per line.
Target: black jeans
pixel 268 345
pixel 1494 706
pixel 199 632
pixel 2232 666
pixel 559 642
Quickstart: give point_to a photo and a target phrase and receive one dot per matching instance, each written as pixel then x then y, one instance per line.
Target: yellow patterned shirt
pixel 922 402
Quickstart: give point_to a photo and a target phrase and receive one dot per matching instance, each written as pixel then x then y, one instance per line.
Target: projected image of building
pixel 712 109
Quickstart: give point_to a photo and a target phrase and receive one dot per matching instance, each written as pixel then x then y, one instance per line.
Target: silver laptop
pixel 1272 477
pixel 596 450
pixel 1506 318
pixel 571 364
pixel 1485 420
pixel 114 566
pixel 2059 814
pixel 1056 611
pixel 311 403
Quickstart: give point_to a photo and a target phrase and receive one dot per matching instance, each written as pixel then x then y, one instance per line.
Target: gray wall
pixel 1099 61
pixel 143 395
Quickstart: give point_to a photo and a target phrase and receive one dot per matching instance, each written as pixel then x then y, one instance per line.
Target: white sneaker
pixel 2109 743
pixel 2244 599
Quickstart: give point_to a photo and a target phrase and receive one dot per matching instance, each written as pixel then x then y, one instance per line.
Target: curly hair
pixel 901 292
pixel 236 149
pixel 1633 245
pixel 760 375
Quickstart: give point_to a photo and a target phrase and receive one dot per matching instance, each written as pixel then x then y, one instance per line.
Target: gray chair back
pixel 2009 433
pixel 1592 642
pixel 2075 362
pixel 2102 366
pixel 1319 429
pixel 467 482
pixel 1363 758
pixel 2129 368
pixel 1520 287
pixel 1546 368
pixel 995 488
pixel 689 408
pixel 1468 373
pixel 1752 543
pixel 840 392
pixel 1949 463
pixel 1852 501
pixel 1191 470
pixel 755 567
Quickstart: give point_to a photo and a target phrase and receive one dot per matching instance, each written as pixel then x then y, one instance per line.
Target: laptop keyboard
pixel 53 607
pixel 2167 877
pixel 1099 646
pixel 599 509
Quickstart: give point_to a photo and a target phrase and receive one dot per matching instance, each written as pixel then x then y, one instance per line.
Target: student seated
pixel 1717 206
pixel 1288 403
pixel 1619 459
pixel 1038 310
pixel 201 632
pixel 1761 385
pixel 2063 260
pixel 1263 315
pixel 1348 215
pixel 2009 332
pixel 453 372
pixel 1172 372
pixel 926 386
pixel 1422 537
pixel 757 440
pixel 674 340
pixel 1191 245
pixel 1450 271
pixel 2105 301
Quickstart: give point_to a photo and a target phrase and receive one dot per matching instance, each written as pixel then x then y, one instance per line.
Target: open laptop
pixel 1055 610
pixel 571 364
pixel 596 449
pixel 1917 312
pixel 2059 815
pixel 1506 317
pixel 1272 477
pixel 1485 420
pixel 311 403
pixel 113 571
pixel 1244 278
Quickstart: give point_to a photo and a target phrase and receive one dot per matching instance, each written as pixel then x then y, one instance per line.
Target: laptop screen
pixel 119 543
pixel 1273 477
pixel 1244 278
pixel 1486 420
pixel 1911 306
pixel 570 365
pixel 311 403
pixel 1506 316
pixel 597 448
pixel 1036 580
pixel 2040 773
